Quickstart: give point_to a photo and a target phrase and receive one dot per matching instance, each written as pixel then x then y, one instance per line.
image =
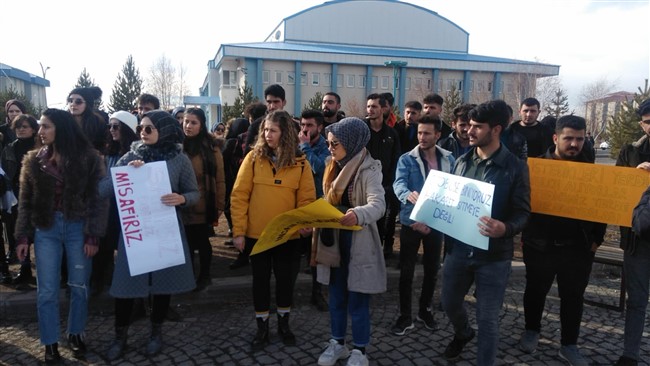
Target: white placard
pixel 150 230
pixel 453 205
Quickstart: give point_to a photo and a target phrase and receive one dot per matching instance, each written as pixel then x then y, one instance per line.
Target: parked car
pixel 604 145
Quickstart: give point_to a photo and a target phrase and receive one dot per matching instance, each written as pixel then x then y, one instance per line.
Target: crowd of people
pixel 268 162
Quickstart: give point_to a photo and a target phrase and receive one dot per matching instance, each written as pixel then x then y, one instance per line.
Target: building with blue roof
pixel 22 82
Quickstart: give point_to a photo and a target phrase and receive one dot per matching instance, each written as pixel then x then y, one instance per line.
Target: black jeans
pixel 571 265
pixel 198 238
pixel 386 224
pixel 281 260
pixel 124 308
pixel 432 248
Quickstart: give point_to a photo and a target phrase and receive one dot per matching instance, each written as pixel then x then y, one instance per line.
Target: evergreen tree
pixel 11 93
pixel 315 103
pixel 558 105
pixel 244 98
pixel 84 80
pixel 127 88
pixel 624 128
pixel 453 99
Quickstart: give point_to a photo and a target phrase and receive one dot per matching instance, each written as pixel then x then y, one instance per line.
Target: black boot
pixel 155 341
pixel 5 275
pixel 76 345
pixel 262 336
pixel 288 338
pixel 52 356
pixel 116 349
pixel 24 277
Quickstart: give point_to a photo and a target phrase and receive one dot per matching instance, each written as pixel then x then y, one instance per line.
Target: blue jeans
pixel 637 282
pixel 48 250
pixel 460 270
pixel 342 301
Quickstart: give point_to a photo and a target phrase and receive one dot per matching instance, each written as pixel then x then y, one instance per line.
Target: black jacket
pixel 641 218
pixel 384 146
pixel 450 143
pixel 543 230
pixel 510 204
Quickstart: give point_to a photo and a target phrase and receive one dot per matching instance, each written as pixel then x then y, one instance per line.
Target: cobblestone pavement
pixel 218 325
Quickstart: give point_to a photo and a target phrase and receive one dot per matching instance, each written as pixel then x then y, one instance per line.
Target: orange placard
pixel 592 192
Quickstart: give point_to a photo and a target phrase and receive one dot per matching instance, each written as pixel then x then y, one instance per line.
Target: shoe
pixel 239 263
pixel 24 276
pixel 173 315
pixel 5 275
pixel 319 302
pixel 403 324
pixel 155 344
pixel 12 258
pixel 626 361
pixel 456 346
pixel 116 349
pixel 357 358
pixel 261 338
pixel 572 355
pixel 528 341
pixel 425 316
pixel 76 345
pixel 333 353
pixel 52 356
pixel 202 283
pixel 288 338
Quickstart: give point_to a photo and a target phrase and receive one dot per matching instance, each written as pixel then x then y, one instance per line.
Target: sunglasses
pixel 146 129
pixel 76 101
pixel 114 126
pixel 332 144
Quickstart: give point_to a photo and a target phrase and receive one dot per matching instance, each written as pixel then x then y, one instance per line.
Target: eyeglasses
pixel 332 144
pixel 76 101
pixel 647 121
pixel 23 127
pixel 114 126
pixel 146 129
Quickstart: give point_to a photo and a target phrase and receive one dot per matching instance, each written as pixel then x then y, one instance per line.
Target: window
pixel 481 86
pixel 471 86
pixel 229 79
pixel 350 81
pixel 450 84
pixel 362 81
pixel 291 77
pixel 459 86
pixel 339 80
pixel 315 79
pixel 489 86
pixel 327 79
pixel 418 84
pixel 428 84
pixel 408 84
pixel 303 78
pixel 373 83
pixel 278 77
pixel 266 75
pixel 384 82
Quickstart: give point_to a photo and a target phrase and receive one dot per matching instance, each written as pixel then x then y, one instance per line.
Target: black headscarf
pixel 170 138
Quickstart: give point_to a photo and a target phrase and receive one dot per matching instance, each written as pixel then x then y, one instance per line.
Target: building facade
pixel 599 111
pixel 22 82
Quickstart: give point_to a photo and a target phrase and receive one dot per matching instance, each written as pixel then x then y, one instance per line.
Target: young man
pixel 432 105
pixel 146 103
pixel 412 170
pixel 458 141
pixel 387 110
pixel 488 269
pixel 562 249
pixel 384 146
pixel 331 105
pixel 407 129
pixel 538 137
pixel 274 97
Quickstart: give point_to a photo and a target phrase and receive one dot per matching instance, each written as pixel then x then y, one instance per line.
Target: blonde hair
pixel 287 151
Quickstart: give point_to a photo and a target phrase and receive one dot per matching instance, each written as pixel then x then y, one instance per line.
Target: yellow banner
pixel 316 214
pixel 592 192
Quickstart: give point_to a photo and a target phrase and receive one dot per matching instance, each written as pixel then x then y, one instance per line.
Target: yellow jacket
pixel 261 193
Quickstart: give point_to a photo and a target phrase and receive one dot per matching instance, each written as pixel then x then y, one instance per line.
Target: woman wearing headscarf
pixel 274 178
pixel 61 210
pixel 161 140
pixel 208 167
pixel 351 262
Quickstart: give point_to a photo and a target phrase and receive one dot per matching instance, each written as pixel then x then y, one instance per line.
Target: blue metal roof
pixel 6 70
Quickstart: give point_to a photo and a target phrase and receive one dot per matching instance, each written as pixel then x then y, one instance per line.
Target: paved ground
pixel 218 325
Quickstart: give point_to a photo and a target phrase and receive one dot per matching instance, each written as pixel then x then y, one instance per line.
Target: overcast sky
pixel 590 40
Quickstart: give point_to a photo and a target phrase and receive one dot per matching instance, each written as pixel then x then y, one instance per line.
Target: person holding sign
pixel 412 170
pixel 351 262
pixel 162 139
pixel 275 177
pixel 489 161
pixel 60 209
pixel 560 248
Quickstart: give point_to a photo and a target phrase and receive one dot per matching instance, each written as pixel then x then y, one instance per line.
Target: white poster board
pixel 453 205
pixel 150 230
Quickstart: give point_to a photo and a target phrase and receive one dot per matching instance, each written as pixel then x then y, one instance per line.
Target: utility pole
pixel 43 69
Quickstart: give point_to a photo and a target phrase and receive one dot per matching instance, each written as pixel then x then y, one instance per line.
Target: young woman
pixel 208 167
pixel 61 211
pixel 273 178
pixel 352 183
pixel 162 139
pixel 81 103
pixel 25 128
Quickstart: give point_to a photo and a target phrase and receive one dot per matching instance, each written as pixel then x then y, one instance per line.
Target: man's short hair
pixel 570 121
pixel 413 104
pixel 149 99
pixel 336 96
pixel 431 120
pixel 390 99
pixel 644 108
pixel 433 98
pixel 530 102
pixel 382 100
pixel 275 90
pixel 255 110
pixel 494 113
pixel 461 112
pixel 312 113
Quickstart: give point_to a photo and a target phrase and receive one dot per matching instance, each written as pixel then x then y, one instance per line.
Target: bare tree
pixel 546 91
pixel 597 90
pixel 162 81
pixel 182 86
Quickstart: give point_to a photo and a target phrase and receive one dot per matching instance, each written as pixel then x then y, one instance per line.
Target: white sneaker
pixel 357 359
pixel 333 353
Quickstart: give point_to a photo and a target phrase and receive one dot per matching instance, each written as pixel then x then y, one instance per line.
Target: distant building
pixel 32 86
pixel 336 47
pixel 598 111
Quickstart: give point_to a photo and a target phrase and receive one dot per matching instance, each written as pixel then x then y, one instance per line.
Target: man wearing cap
pixel 636 259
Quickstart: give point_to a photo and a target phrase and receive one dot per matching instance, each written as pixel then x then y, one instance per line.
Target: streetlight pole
pixel 43 69
pixel 396 65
